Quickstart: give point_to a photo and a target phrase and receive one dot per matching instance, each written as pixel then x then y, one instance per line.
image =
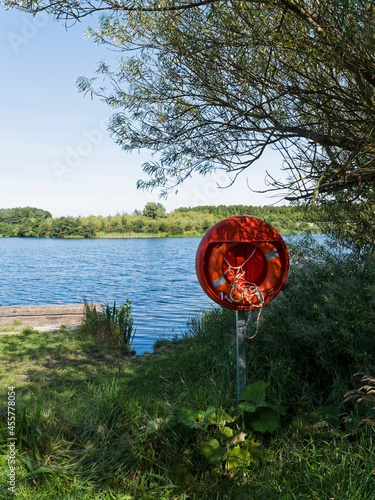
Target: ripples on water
pixel 158 275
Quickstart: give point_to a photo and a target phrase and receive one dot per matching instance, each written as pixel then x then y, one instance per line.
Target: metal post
pixel 241 351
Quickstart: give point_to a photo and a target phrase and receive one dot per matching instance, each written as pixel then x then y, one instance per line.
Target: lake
pixel 157 274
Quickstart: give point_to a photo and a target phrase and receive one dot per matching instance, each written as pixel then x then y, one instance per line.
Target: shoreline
pixel 130 236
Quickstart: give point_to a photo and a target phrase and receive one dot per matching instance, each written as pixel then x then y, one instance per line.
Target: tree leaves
pixel 213 84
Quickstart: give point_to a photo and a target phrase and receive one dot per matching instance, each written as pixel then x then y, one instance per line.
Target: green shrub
pixel 120 325
pixel 175 228
pixel 320 329
pixel 29 430
pixel 152 227
pixel 115 326
pixel 136 225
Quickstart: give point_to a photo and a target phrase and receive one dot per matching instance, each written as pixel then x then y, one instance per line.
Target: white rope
pixel 247 291
pixel 239 267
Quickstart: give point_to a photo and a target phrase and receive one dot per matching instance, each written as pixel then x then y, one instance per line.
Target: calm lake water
pixel 158 275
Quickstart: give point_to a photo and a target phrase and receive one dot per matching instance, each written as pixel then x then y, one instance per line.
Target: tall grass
pixel 114 326
pixel 321 329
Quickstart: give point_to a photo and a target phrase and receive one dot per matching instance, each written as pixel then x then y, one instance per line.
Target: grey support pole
pixel 241 351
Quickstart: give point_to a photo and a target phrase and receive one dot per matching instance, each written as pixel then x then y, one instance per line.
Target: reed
pixel 114 326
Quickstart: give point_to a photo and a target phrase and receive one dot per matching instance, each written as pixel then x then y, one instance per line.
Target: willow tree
pixel 213 83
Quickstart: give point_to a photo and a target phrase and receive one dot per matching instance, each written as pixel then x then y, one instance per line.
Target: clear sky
pixel 55 151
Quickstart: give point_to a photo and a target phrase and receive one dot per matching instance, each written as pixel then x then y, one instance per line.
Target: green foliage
pixel 120 323
pixel 154 210
pixel 214 433
pixel 314 335
pixel 351 224
pixel 152 227
pixel 254 394
pixel 29 430
pixel 201 107
pixel 24 222
pixel 64 226
pixel 320 329
pixel 20 215
pixel 219 434
pixel 137 225
pixel 91 319
pixel 115 326
pixel 153 221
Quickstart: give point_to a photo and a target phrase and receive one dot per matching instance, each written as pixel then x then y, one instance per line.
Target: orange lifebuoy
pixel 262 272
pixel 215 268
pixel 220 284
pixel 273 267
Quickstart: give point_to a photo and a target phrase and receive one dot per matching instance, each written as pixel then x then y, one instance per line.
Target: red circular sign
pixel 242 262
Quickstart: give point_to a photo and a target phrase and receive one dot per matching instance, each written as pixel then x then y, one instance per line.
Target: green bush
pixel 175 228
pixel 320 329
pixel 115 326
pixel 120 325
pixel 152 227
pixel 136 225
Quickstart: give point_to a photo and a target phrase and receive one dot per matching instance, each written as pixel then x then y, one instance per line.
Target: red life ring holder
pixel 234 276
pixel 220 284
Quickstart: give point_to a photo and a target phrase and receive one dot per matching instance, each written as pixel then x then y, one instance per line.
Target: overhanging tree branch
pixel 212 84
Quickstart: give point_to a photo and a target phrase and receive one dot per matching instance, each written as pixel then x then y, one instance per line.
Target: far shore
pixel 103 236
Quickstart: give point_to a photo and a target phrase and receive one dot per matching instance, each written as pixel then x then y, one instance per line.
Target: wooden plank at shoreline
pixel 44 309
pixel 23 321
pixel 44 315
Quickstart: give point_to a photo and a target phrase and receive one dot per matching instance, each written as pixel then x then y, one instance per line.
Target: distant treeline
pixel 152 221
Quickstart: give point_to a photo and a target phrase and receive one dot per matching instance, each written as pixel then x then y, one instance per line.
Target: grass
pixel 47 362
pixel 94 423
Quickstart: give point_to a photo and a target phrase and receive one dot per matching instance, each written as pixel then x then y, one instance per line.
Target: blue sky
pixel 55 151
